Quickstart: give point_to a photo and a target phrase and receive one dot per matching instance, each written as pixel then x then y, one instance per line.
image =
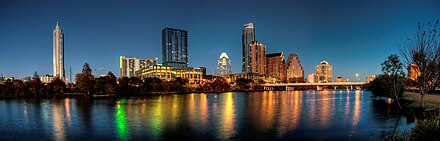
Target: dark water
pixel 299 115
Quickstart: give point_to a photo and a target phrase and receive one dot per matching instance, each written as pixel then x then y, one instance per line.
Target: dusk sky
pixel 353 36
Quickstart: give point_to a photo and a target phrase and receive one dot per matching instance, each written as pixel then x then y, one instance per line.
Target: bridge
pixel 319 86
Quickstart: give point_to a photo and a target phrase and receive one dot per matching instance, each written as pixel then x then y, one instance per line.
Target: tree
pixel 58 86
pixel 393 68
pixel 36 85
pixel 423 50
pixel 85 80
pixel 111 83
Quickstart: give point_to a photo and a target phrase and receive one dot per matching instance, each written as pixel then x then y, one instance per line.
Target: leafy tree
pixel 58 86
pixel 423 50
pixel 85 80
pixel 220 85
pixel 393 68
pixel 18 87
pixel 37 86
pixel 111 83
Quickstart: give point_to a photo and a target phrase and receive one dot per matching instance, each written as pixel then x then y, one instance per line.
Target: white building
pixel 224 65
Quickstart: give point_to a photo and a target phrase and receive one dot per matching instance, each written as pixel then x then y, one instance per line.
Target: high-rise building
pixel 257 57
pixel 294 69
pixel 175 48
pixel 58 53
pixel 129 66
pixel 324 72
pixel 248 36
pixel 275 66
pixel 223 65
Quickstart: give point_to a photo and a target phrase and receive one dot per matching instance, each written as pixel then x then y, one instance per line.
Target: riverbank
pixel 432 101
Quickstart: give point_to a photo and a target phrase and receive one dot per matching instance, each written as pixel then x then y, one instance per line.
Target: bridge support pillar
pixel 351 87
pixel 335 87
pixel 318 88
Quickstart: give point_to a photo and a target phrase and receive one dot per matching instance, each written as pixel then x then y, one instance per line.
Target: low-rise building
pixel 370 78
pixel 168 73
pixel 340 79
pixel 46 78
pixel 313 78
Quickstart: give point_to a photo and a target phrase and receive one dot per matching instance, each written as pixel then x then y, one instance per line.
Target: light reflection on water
pixel 302 115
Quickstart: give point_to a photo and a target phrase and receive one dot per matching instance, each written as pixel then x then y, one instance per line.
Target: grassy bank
pixel 432 101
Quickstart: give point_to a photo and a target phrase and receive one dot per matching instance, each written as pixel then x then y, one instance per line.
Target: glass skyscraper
pixel 58 53
pixel 175 48
pixel 248 36
pixel 223 65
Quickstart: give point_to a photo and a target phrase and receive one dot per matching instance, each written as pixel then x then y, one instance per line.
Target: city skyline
pixel 100 41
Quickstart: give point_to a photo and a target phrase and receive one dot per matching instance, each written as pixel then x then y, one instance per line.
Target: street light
pixel 357 77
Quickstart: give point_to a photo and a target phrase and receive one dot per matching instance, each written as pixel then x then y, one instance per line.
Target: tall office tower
pixel 175 48
pixel 223 65
pixel 275 66
pixel 58 53
pixel 129 66
pixel 257 57
pixel 324 72
pixel 248 36
pixel 294 69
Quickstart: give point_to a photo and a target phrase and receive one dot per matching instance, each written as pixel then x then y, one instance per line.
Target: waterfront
pixel 270 115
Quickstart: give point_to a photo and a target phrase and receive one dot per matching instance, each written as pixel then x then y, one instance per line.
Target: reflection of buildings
pixel 275 66
pixel 167 73
pixel 58 53
pixel 224 65
pixel 129 66
pixel 324 72
pixel 175 48
pixel 248 36
pixel 370 78
pixel 340 79
pixel 312 78
pixel 294 69
pixel 413 72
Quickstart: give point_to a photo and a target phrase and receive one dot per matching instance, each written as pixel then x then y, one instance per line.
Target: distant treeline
pixel 87 85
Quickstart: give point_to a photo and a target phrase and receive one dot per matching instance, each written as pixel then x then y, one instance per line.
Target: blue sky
pixel 353 36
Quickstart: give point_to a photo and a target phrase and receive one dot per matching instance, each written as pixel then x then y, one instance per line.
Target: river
pixel 269 115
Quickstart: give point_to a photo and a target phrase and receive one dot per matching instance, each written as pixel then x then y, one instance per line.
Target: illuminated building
pixel 248 36
pixel 312 78
pixel 340 79
pixel 175 48
pixel 129 66
pixel 412 72
pixel 324 72
pixel 275 66
pixel 370 78
pixel 294 69
pixel 46 78
pixel 168 73
pixel 224 65
pixel 257 57
pixel 203 70
pixel 58 53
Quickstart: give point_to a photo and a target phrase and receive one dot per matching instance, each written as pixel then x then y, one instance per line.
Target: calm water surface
pixel 300 115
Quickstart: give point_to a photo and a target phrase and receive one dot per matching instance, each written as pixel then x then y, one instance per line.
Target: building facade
pixel 340 79
pixel 46 78
pixel 312 78
pixel 175 48
pixel 325 72
pixel 223 65
pixel 129 66
pixel 168 73
pixel 58 53
pixel 413 72
pixel 257 57
pixel 294 69
pixel 370 78
pixel 275 66
pixel 248 35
